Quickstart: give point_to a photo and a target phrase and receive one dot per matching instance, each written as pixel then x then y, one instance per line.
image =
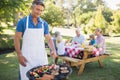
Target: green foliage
pixel 94 20
pixel 53 14
pixel 98 2
pixel 100 20
pixel 84 18
pixel 86 5
pixel 9 7
pixel 1 30
pixel 116 21
pixel 81 13
pixel 6 42
pixel 10 11
pixel 107 13
pixel 89 15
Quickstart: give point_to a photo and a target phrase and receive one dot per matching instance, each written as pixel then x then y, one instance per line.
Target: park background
pixel 64 15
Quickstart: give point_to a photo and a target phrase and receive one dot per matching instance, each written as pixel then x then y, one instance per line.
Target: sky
pixel 112 3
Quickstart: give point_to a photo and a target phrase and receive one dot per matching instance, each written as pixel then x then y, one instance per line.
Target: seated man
pixel 79 38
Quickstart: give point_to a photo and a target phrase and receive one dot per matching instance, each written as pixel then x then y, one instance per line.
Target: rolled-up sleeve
pixel 19 27
pixel 46 28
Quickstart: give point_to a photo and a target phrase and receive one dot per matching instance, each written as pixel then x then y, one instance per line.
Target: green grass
pixel 9 66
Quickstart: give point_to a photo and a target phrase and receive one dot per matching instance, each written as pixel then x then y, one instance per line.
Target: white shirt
pixel 61 48
pixel 79 39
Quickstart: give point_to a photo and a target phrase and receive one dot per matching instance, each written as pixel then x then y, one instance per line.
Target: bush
pixel 6 42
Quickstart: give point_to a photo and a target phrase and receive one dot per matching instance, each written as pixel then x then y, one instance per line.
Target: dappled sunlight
pixel 10 32
pixel 4 62
pixel 108 47
pixel 10 55
pixel 108 51
pixel 116 55
pixel 12 65
pixel 119 48
pixel 114 40
pixel 116 60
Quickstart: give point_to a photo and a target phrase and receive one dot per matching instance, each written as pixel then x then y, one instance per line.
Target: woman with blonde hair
pixel 60 46
pixel 100 40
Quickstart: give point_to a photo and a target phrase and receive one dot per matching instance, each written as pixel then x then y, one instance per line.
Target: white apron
pixel 33 49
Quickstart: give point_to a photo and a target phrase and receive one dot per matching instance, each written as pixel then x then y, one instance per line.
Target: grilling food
pixel 55 70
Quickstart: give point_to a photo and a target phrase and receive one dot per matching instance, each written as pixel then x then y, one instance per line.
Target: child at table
pixel 60 46
pixel 92 39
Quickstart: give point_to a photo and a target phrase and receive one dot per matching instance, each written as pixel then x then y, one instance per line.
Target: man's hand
pixel 51 45
pixel 17 39
pixel 54 54
pixel 47 77
pixel 22 60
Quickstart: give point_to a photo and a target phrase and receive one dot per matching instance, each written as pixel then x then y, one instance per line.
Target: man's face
pixel 37 10
pixel 78 33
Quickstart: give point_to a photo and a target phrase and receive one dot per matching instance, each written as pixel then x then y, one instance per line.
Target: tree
pixel 10 9
pixel 53 14
pixel 98 2
pixel 86 6
pixel 107 13
pixel 116 21
pixel 82 11
pixel 100 20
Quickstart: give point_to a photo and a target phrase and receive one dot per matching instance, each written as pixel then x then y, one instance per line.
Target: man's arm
pixel 73 40
pixel 47 77
pixel 17 39
pixel 51 45
pixel 83 39
pixel 17 42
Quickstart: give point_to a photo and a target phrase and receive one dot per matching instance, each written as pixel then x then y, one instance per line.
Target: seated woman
pixel 100 40
pixel 92 39
pixel 60 46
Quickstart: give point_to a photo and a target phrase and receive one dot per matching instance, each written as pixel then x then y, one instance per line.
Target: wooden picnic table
pixel 80 63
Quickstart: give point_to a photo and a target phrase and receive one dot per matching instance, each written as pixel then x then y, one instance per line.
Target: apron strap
pixel 27 22
pixel 42 23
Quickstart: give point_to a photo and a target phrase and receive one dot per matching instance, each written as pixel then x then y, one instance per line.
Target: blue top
pixel 92 42
pixel 80 39
pixel 54 41
pixel 21 26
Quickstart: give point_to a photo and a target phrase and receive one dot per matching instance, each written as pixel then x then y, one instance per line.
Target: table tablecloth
pixel 72 51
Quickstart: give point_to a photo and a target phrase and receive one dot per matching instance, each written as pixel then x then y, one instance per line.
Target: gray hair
pixel 78 30
pixel 57 33
pixel 38 2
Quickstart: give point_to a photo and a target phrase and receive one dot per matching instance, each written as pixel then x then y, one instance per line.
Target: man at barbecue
pixel 32 29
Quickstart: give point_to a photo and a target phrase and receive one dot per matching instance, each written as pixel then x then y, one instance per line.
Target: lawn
pixel 111 71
